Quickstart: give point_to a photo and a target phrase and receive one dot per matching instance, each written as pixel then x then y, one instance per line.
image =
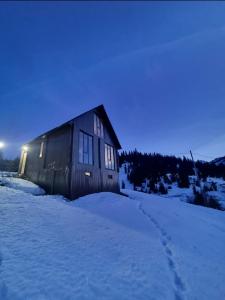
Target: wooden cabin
pixel 75 159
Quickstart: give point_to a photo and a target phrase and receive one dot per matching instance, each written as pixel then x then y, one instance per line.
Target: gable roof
pixel 103 115
pixel 100 110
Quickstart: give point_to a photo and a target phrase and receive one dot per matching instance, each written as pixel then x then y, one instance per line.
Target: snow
pixel 193 240
pixel 21 184
pixel 108 246
pixel 123 177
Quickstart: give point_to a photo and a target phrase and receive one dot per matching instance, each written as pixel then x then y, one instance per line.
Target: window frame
pixel 98 126
pixel 88 154
pixel 110 163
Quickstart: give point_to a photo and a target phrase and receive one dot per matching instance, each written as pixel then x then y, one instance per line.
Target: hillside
pixel 219 161
pixel 108 246
pixel 172 188
pixel 154 165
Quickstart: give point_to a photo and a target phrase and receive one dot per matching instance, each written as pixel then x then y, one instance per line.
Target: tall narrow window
pixel 109 157
pixel 41 150
pixel 85 148
pixel 98 126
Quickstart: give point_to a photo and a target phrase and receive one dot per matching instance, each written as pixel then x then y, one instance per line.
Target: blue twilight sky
pixel 158 67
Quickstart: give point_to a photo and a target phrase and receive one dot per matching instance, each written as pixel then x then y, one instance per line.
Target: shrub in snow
pixel 204 199
pixel 197 183
pixel 198 197
pixel 203 176
pixel 162 189
pixel 183 180
pixel 213 186
pixel 2 183
pixel 206 188
pixel 152 186
pixel 166 179
pixel 173 178
pixel 123 185
pixel 214 203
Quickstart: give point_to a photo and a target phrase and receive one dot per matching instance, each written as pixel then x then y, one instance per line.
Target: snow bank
pixel 22 185
pixel 123 177
pixel 107 246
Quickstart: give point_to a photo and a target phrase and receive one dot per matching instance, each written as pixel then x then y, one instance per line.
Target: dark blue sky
pixel 158 67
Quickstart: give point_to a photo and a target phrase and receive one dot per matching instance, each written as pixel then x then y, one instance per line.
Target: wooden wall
pixel 100 179
pixel 52 170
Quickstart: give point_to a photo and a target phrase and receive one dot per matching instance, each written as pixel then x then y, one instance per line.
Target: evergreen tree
pixel 123 185
pixel 162 189
pixel 152 186
pixel 183 180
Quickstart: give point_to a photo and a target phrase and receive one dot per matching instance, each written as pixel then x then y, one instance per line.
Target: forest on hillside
pixel 152 166
pixel 9 165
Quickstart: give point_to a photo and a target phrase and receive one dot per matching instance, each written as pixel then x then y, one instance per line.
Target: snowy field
pixel 107 246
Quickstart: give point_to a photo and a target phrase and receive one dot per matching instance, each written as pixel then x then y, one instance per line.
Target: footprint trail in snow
pixel 179 287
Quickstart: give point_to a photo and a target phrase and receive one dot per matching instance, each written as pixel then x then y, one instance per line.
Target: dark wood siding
pixel 100 179
pixel 52 170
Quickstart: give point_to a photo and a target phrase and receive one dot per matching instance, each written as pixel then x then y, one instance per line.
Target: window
pixel 98 126
pixel 85 148
pixel 41 150
pixel 109 157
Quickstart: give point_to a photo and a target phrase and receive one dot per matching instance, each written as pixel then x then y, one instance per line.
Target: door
pixel 23 163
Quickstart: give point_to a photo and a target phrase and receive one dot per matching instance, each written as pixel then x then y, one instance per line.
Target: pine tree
pixel 123 185
pixel 183 180
pixel 162 189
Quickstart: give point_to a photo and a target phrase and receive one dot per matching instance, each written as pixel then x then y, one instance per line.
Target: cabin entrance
pixel 23 162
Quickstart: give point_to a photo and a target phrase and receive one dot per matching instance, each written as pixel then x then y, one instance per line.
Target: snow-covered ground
pixel 107 246
pixel 20 184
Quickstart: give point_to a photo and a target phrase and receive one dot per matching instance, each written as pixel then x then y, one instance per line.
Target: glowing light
pixel 2 145
pixel 25 148
pixel 87 174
